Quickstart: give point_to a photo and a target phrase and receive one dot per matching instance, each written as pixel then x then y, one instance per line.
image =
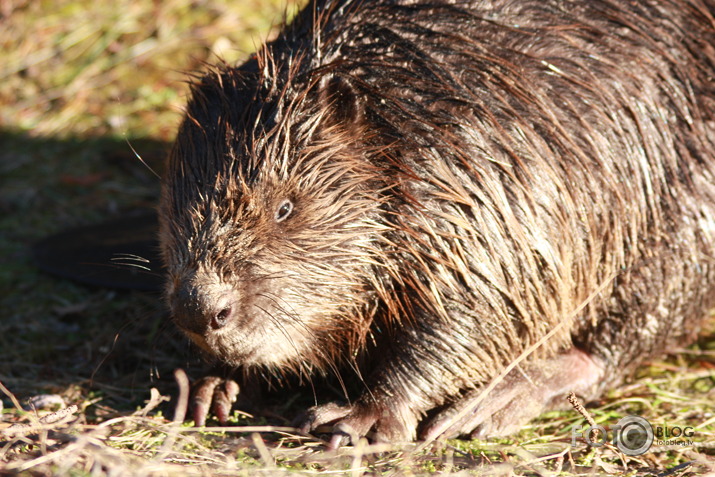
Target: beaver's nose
pixel 201 308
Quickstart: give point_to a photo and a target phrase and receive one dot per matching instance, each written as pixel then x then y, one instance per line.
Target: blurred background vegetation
pixel 116 68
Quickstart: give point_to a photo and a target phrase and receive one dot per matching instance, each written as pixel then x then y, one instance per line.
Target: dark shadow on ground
pixel 84 206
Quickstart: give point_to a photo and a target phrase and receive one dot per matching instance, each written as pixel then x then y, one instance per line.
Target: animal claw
pixel 351 422
pixel 215 394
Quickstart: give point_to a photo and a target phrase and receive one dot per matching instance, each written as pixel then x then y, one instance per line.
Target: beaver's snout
pixel 202 308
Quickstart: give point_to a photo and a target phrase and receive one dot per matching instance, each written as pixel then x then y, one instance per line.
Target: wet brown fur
pixel 464 176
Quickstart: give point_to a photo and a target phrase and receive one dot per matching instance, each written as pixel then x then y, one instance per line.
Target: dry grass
pixel 76 78
pixel 115 67
pixel 143 443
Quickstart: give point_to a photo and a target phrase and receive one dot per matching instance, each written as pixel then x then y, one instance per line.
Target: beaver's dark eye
pixel 284 210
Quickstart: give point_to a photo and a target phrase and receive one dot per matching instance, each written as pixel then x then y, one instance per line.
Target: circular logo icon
pixel 635 435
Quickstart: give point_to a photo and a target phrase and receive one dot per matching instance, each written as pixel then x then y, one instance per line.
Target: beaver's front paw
pixel 379 423
pixel 214 394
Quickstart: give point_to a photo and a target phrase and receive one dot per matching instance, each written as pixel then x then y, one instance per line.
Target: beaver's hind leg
pixel 521 395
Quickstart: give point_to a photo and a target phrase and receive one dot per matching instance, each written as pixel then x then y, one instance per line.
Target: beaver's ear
pixel 341 99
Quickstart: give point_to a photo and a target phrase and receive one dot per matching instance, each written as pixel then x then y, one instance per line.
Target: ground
pixel 82 86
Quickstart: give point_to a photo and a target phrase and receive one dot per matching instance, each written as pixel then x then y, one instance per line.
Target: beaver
pixel 438 199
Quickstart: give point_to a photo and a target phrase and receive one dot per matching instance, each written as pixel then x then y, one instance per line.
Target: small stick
pixel 45 423
pixel 182 402
pixel 578 407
